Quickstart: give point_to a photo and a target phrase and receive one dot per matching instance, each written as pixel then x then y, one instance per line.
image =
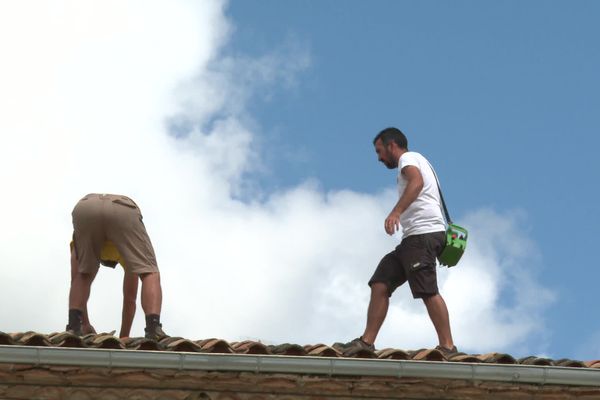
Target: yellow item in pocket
pixel 109 255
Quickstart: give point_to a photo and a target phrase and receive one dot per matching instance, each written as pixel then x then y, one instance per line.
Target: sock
pixel 75 319
pixel 152 321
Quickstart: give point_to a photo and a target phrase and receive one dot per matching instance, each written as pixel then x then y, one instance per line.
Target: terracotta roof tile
pixel 427 355
pixel 533 360
pixel 215 345
pixel 6 339
pixel 30 339
pixel 180 344
pixel 140 343
pixel 564 362
pixel 392 354
pixel 462 357
pixel 321 350
pixel 249 347
pixel 287 349
pixel 497 358
pixel 103 341
pixel 66 339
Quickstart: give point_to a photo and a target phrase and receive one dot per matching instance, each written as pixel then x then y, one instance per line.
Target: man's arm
pixel 413 187
pixel 130 287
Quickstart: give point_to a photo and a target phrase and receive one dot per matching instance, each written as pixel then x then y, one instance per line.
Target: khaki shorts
pixel 101 217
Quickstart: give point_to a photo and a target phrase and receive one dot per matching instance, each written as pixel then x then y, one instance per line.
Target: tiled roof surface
pixel 178 344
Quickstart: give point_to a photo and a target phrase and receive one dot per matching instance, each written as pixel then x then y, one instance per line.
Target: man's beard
pixel 391 164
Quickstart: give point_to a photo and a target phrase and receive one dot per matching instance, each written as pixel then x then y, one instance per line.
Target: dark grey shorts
pixel 413 260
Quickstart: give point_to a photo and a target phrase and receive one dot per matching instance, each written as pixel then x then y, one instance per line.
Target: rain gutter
pixel 107 358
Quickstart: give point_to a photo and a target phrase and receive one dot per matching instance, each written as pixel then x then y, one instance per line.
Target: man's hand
pixel 130 289
pixel 392 222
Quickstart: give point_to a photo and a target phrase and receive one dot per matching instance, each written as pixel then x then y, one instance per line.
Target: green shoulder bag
pixel 456 236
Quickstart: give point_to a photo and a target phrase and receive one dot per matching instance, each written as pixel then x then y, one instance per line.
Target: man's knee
pixel 429 299
pixel 151 275
pixel 83 277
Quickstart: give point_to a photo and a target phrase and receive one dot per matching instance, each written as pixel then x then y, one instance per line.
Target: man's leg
pixel 387 276
pixel 421 251
pixel 438 312
pixel 88 237
pixel 378 307
pixel 130 290
pixel 127 231
pixel 78 298
pixel 86 326
pixel 151 293
pixel 151 304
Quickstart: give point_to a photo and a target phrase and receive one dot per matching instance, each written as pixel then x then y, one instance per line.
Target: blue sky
pixel 503 97
pixel 244 131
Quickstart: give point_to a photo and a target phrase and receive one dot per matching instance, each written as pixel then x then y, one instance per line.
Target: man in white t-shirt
pixel 419 212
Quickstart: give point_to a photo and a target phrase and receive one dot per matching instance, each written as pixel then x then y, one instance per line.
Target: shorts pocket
pixel 416 266
pixel 126 201
pixel 435 243
pixel 413 253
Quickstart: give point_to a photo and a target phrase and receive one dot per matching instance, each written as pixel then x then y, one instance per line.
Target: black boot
pixel 153 328
pixel 75 322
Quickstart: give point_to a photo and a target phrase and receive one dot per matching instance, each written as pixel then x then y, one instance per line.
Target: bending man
pixel 99 222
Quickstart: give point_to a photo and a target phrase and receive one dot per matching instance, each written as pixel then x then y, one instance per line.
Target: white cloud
pixel 88 94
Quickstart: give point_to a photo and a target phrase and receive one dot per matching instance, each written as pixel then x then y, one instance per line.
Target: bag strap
pixel 448 219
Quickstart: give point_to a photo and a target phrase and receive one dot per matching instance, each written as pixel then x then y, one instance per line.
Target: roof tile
pixel 31 338
pixel 287 349
pixel 180 344
pixel 214 346
pixel 103 341
pixel 6 339
pixel 564 362
pixel 392 354
pixel 140 343
pixel 321 350
pixel 427 355
pixel 462 357
pixel 249 347
pixel 533 360
pixel 66 339
pixel 497 358
pixel 592 364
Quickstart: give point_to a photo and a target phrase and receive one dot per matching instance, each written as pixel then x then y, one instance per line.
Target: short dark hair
pixel 392 134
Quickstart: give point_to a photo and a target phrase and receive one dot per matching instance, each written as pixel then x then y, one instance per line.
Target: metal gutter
pixel 106 358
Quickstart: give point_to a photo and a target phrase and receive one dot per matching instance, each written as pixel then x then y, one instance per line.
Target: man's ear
pixel 393 147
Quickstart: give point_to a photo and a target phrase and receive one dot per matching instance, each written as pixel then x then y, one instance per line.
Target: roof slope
pixel 57 366
pixel 178 344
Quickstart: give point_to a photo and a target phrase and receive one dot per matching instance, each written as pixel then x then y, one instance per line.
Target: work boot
pixel 75 322
pixel 354 347
pixel 74 331
pixel 447 352
pixel 156 333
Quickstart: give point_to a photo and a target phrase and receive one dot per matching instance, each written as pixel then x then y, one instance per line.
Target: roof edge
pixel 107 358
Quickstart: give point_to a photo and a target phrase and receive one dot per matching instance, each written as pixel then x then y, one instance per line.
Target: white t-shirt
pixel 424 215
